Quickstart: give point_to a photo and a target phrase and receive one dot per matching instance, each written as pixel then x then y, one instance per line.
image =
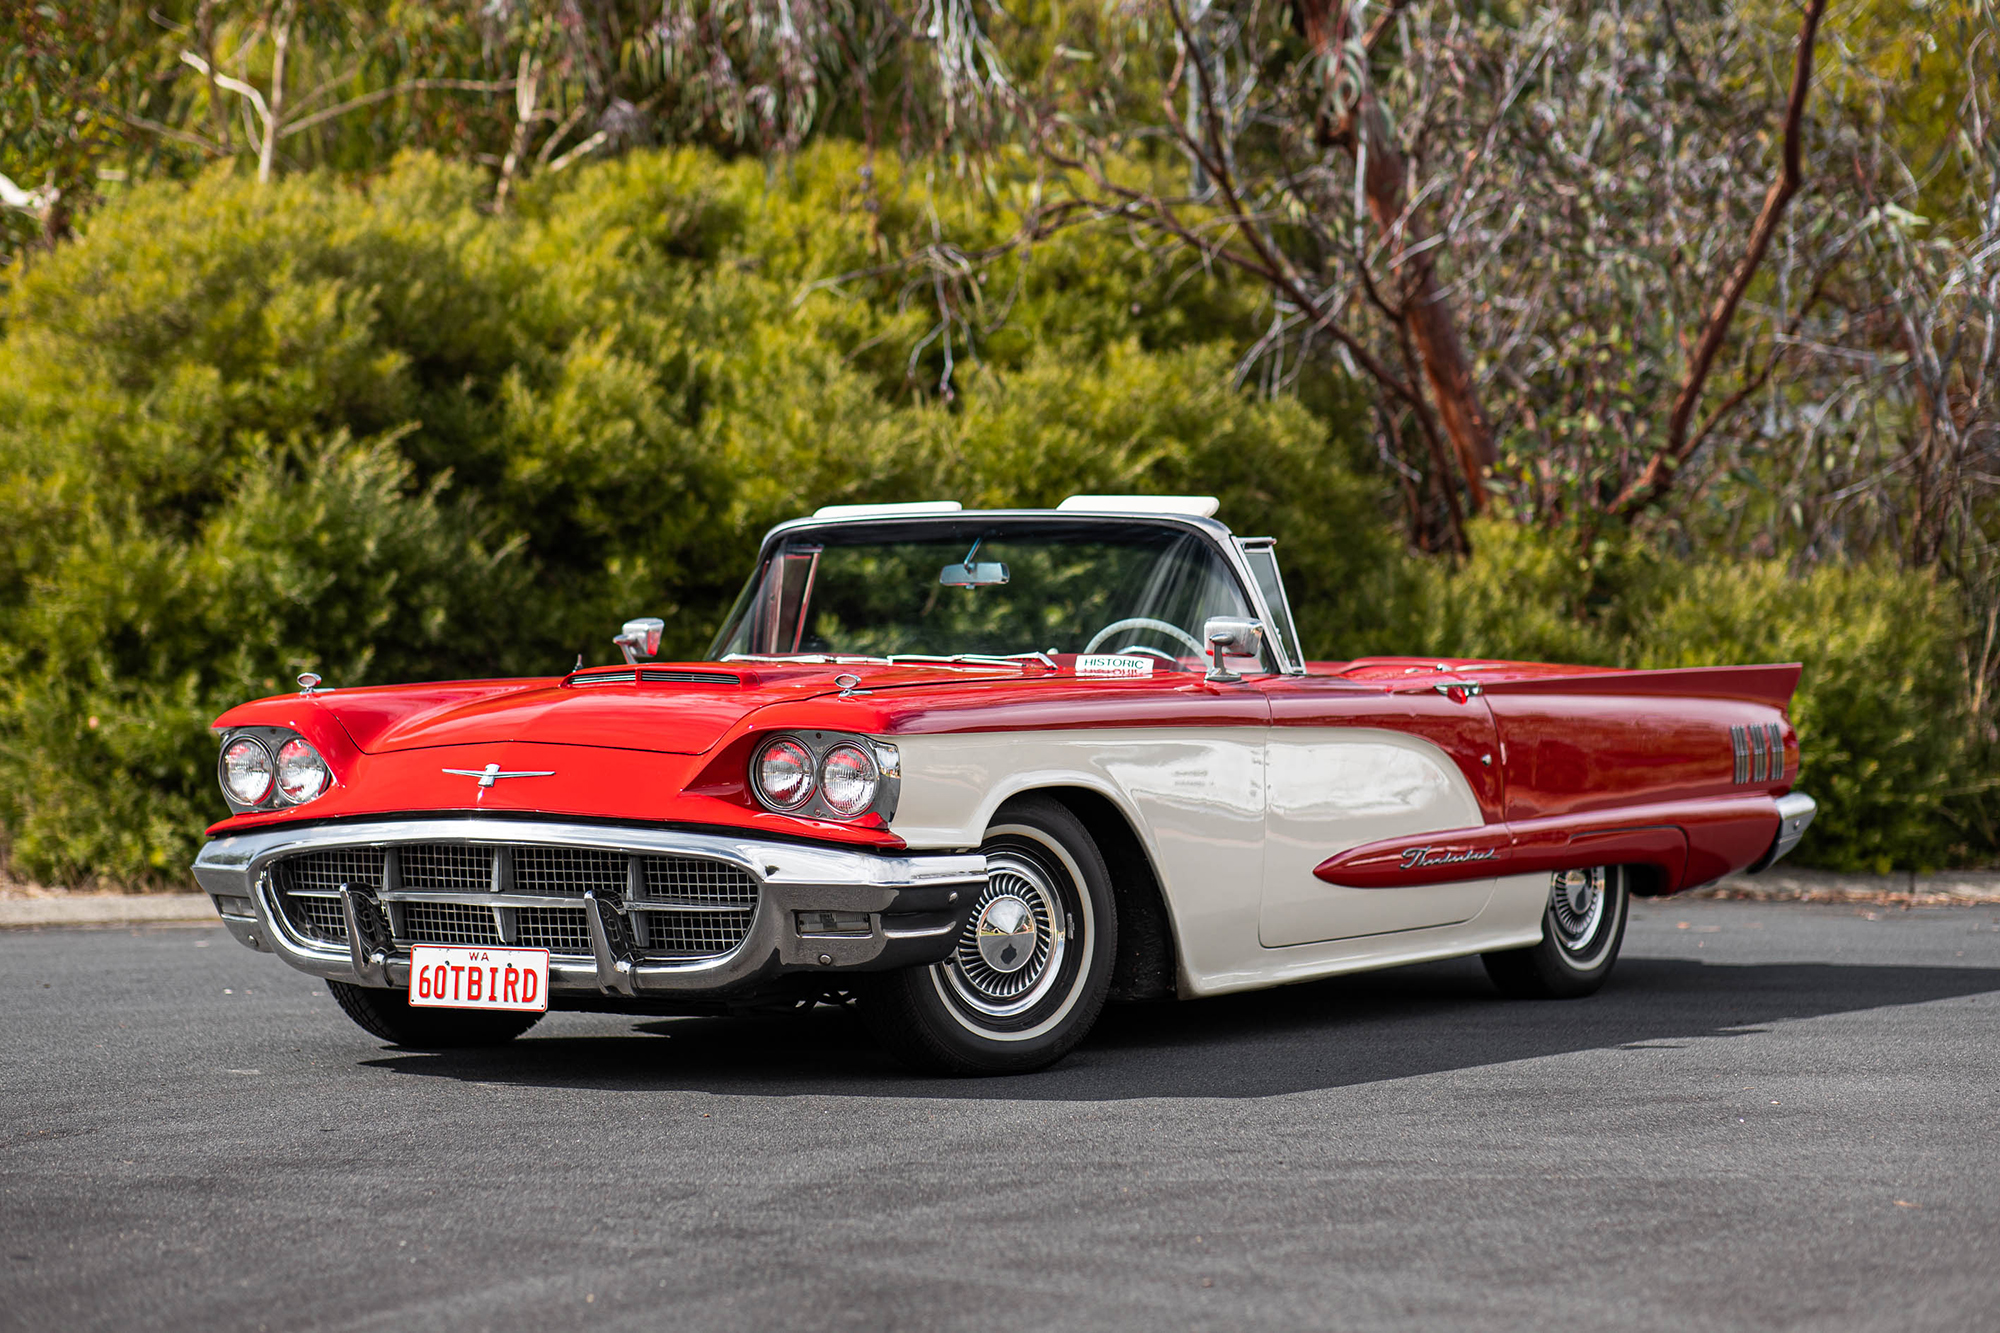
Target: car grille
pixel 694 934
pixel 563 870
pixel 557 929
pixel 690 907
pixel 449 923
pixel 319 917
pixel 447 866
pixel 327 871
pixel 691 879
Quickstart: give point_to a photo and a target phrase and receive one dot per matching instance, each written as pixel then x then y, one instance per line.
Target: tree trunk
pixel 1425 315
pixel 1428 317
pixel 1658 476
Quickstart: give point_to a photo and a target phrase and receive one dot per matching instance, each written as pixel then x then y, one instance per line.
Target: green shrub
pixel 1879 707
pixel 383 435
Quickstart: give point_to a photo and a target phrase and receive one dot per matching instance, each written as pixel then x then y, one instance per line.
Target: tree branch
pixel 189 137
pixel 236 86
pixel 1383 22
pixel 382 94
pixel 1658 475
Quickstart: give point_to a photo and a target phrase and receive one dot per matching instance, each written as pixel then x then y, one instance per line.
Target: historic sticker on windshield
pixel 1113 664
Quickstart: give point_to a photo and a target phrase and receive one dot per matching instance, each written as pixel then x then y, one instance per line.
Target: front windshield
pixel 1070 586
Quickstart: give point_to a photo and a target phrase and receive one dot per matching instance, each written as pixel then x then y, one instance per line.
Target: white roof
pixel 1192 506
pixel 1199 506
pixel 888 510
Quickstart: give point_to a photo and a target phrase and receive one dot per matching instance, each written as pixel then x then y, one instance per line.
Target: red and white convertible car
pixel 981 772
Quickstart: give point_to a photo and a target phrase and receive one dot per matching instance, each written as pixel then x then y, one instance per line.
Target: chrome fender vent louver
pixel 1759 751
pixel 655 676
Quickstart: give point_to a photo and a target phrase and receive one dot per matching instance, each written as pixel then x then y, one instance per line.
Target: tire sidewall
pixel 1589 974
pixel 1045 830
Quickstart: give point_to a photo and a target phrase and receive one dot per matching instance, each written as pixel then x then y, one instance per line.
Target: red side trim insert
pixel 1689 842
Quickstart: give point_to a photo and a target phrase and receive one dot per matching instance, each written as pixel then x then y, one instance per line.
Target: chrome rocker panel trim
pixel 917 903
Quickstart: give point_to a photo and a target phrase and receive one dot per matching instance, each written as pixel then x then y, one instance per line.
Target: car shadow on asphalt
pixel 1338 1033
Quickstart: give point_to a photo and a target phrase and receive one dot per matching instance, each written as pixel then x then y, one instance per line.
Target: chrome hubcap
pixel 1013 947
pixel 1006 933
pixel 1576 906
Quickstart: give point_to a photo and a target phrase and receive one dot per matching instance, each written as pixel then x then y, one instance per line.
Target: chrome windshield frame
pixel 1215 533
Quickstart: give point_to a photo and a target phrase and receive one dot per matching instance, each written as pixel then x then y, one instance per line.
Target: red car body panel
pixel 1568 764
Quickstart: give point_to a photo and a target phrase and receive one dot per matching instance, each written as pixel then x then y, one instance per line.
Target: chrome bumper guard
pixel 916 904
pixel 1795 816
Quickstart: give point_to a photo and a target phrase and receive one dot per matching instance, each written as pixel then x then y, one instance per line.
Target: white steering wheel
pixel 1146 622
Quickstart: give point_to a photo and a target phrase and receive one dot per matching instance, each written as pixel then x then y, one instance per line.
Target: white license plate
pixel 475 977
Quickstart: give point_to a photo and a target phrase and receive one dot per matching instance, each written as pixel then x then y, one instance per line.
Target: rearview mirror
pixel 640 638
pixel 982 575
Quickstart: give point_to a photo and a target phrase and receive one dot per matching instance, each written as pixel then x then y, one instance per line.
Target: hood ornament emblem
pixel 491 774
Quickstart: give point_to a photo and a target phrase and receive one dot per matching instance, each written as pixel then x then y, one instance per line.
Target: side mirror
pixel 1230 636
pixel 640 638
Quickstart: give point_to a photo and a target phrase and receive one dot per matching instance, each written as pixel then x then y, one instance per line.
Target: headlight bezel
pixel 883 756
pixel 271 740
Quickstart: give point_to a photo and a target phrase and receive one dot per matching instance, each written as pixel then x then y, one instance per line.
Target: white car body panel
pixel 1333 788
pixel 1198 799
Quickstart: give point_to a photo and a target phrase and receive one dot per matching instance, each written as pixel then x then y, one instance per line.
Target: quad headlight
pixel 847 780
pixel 248 774
pixel 785 776
pixel 826 775
pixel 302 774
pixel 266 768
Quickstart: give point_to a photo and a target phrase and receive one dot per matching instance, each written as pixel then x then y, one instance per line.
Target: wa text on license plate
pixel 455 977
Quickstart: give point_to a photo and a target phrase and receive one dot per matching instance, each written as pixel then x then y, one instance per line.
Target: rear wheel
pixel 1582 928
pixel 390 1015
pixel 1029 974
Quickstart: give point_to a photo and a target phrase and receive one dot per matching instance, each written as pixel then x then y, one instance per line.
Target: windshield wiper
pixel 976 659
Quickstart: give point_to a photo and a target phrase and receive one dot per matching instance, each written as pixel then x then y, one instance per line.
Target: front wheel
pixel 390 1015
pixel 1582 928
pixel 1029 975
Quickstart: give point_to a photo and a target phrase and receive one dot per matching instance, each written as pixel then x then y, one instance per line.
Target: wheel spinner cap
pixel 1006 930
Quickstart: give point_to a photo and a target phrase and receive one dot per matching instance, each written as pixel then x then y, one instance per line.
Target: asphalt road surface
pixel 1774 1117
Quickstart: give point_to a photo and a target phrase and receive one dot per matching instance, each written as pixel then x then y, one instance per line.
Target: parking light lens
pixel 247 772
pixel 302 774
pixel 847 780
pixel 784 774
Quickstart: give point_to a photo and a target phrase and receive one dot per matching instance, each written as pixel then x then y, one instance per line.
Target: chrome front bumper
pixel 916 904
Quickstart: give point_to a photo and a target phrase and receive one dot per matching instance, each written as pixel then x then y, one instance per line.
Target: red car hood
pixel 663 708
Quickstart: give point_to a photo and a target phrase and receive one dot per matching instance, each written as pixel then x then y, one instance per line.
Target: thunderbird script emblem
pixel 491 774
pixel 1416 858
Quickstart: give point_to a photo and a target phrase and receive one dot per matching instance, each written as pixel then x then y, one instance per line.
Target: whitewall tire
pixel 1583 927
pixel 1029 974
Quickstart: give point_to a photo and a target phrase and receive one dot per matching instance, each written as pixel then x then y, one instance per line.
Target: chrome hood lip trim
pixel 520 818
pixel 769 860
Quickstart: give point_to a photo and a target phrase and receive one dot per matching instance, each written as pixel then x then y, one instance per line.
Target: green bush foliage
pixel 1880 708
pixel 382 434
pixel 377 432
